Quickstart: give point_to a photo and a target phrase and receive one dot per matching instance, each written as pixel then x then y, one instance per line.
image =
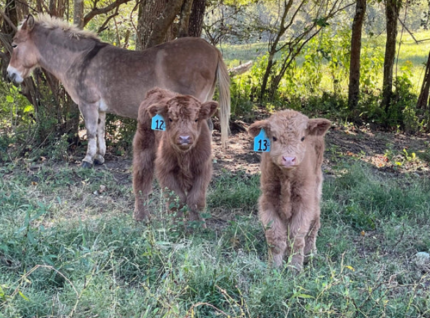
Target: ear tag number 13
pixel 158 123
pixel 262 142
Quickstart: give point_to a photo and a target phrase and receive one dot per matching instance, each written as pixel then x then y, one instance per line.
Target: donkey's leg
pixel 91 117
pixel 101 141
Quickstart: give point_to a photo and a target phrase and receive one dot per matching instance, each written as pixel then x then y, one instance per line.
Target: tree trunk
pixel 78 13
pixel 185 18
pixel 195 25
pixel 392 8
pixel 149 12
pixel 8 33
pixel 425 88
pixel 162 24
pixel 354 66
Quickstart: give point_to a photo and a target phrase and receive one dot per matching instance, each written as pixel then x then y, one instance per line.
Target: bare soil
pixel 386 152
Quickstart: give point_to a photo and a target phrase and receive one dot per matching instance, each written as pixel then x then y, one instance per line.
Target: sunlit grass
pixel 413 55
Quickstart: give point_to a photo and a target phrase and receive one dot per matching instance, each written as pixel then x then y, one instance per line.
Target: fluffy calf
pixel 181 155
pixel 291 182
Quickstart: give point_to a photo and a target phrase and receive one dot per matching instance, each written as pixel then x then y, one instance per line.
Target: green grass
pixel 65 250
pixel 411 54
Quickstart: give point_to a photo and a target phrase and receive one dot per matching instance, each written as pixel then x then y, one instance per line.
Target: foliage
pixel 316 83
pixel 120 133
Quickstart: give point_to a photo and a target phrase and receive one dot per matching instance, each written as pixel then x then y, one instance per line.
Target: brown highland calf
pixel 181 154
pixel 291 184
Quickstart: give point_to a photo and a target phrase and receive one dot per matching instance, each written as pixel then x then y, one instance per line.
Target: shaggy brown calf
pixel 291 183
pixel 181 154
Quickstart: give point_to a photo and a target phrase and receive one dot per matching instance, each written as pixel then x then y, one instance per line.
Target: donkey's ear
pixel 208 109
pixel 155 109
pixel 318 126
pixel 256 127
pixel 28 25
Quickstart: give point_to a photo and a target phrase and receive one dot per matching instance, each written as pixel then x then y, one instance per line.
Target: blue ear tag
pixel 262 142
pixel 158 123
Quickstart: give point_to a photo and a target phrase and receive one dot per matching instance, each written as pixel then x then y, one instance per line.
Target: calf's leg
pixel 196 198
pixel 310 240
pixel 275 230
pixel 298 228
pixel 143 171
pixel 168 180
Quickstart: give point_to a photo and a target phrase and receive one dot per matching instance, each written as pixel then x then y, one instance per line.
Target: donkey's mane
pixel 46 21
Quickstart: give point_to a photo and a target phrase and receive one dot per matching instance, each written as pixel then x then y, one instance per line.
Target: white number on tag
pixel 158 123
pixel 262 142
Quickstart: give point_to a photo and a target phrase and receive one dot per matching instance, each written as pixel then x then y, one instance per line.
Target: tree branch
pixel 104 25
pixel 96 11
pixel 13 26
pixel 401 22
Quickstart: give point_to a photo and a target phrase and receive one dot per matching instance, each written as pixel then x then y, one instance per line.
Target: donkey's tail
pixel 224 99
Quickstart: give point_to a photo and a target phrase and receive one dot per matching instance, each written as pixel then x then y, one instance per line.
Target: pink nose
pixel 184 139
pixel 288 161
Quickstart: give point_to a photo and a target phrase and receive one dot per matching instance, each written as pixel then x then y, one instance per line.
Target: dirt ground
pixel 387 152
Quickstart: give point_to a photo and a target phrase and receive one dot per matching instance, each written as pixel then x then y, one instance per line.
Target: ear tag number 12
pixel 158 123
pixel 262 142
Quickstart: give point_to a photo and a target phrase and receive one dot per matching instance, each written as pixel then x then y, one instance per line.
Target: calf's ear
pixel 155 109
pixel 157 93
pixel 256 127
pixel 318 126
pixel 208 109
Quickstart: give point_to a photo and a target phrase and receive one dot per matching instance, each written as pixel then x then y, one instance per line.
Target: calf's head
pixel 288 131
pixel 184 116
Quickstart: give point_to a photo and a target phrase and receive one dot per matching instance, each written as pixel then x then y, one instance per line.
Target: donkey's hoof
pixel 97 162
pixel 86 164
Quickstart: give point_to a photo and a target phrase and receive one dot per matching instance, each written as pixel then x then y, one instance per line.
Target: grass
pixel 411 54
pixel 68 250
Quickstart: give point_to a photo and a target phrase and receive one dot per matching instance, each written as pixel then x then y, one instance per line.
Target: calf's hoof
pixel 139 216
pixel 309 257
pixel 295 268
pixel 86 164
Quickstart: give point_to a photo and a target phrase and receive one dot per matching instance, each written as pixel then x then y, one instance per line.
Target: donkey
pixel 102 78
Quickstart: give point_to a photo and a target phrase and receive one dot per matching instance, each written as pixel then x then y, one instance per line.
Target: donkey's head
pixel 25 54
pixel 185 117
pixel 288 131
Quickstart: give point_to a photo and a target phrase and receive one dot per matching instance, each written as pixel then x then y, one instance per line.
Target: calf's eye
pixel 303 138
pixel 274 138
pixel 196 120
pixel 170 119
